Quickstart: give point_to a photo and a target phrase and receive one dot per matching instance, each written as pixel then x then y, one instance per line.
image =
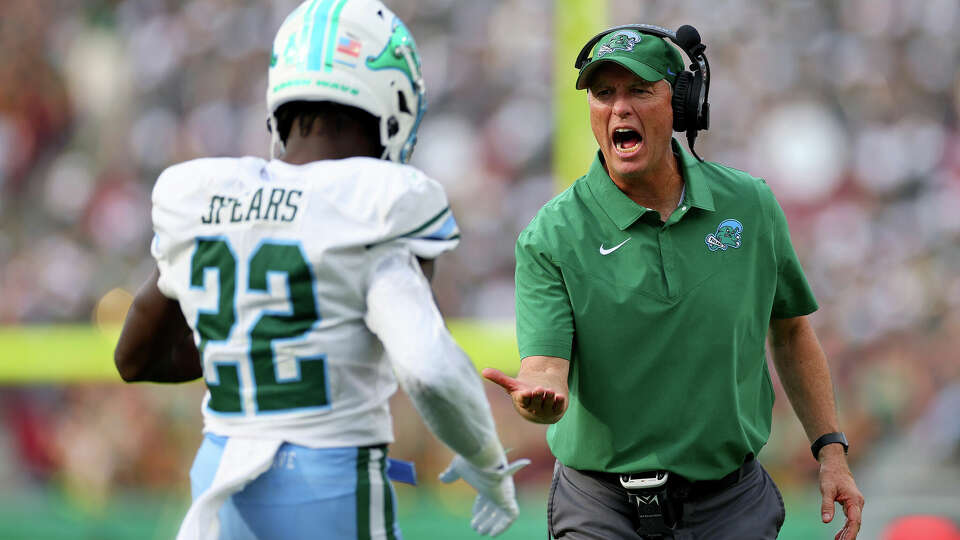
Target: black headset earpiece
pixel 691 108
pixel 682 92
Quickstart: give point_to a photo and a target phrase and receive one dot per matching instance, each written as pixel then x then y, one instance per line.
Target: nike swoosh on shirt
pixel 614 248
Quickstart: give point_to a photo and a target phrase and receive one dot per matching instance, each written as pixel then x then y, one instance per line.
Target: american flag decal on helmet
pixel 349 46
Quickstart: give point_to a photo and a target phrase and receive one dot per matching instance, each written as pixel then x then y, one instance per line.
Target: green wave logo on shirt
pixel 727 235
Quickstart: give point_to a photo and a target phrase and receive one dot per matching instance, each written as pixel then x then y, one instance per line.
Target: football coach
pixel 645 294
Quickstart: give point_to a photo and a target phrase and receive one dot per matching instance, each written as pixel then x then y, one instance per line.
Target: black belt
pixel 681 487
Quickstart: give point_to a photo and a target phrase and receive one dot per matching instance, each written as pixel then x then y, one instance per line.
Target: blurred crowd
pixel 849 110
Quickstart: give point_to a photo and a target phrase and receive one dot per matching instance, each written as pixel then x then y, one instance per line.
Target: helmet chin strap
pixel 275 140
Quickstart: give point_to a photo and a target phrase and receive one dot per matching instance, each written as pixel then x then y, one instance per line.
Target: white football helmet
pixel 352 52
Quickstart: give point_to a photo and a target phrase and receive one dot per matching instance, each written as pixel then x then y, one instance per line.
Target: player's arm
pixel 430 366
pixel 156 344
pixel 539 392
pixel 802 367
pixel 443 386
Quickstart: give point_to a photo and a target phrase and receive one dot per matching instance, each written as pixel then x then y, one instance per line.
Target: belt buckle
pixel 656 513
pixel 647 480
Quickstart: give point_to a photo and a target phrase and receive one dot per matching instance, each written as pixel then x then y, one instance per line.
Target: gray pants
pixel 581 507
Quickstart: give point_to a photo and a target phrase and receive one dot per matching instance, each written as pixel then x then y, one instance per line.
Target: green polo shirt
pixel 664 324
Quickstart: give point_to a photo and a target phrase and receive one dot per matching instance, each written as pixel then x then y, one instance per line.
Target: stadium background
pixel 848 109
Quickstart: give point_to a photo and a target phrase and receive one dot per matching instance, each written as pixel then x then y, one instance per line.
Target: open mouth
pixel 626 141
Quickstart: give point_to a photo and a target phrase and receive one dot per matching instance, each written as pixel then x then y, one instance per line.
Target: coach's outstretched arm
pixel 444 387
pixel 539 392
pixel 803 370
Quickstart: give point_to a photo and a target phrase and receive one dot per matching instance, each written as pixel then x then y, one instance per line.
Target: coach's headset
pixel 691 110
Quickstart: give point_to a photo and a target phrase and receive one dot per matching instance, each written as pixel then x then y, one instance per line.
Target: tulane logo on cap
pixel 726 236
pixel 624 40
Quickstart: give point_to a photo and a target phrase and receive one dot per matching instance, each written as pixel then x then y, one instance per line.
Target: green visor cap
pixel 649 57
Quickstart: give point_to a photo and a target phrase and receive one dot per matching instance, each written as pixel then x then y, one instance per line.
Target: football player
pixel 298 289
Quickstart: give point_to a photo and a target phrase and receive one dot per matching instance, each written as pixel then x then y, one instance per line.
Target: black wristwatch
pixel 829 438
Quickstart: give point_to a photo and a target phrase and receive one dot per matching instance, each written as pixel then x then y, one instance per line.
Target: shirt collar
pixel 698 193
pixel 624 212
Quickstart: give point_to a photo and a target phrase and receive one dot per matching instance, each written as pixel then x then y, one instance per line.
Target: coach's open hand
pixel 539 392
pixel 837 485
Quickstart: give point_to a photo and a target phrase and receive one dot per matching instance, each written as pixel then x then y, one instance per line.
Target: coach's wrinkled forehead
pixel 648 57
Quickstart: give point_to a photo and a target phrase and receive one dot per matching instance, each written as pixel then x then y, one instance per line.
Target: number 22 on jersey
pixel 270 392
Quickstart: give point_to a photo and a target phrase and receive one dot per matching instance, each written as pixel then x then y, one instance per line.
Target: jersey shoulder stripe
pixel 414 209
pixel 442 227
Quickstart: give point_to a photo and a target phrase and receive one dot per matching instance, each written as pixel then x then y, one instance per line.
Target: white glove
pixel 496 505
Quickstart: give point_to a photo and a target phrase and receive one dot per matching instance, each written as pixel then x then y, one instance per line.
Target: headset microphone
pixel 689 40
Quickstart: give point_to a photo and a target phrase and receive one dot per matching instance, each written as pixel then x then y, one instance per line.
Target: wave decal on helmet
pixel 400 53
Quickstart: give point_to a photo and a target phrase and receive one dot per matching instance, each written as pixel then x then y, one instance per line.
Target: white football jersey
pixel 270 263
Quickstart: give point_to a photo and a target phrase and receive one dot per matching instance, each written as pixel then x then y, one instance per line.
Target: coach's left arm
pixel 802 367
pixel 156 344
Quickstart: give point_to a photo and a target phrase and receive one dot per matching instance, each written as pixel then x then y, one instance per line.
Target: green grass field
pixel 423 515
